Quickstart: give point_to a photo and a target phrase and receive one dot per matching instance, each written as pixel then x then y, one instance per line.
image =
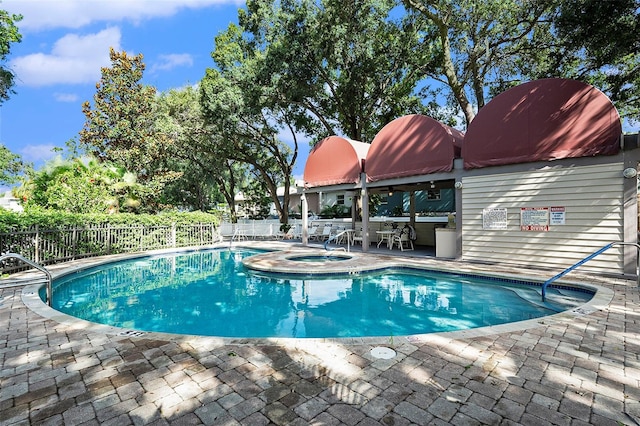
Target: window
pixel 433 194
pixel 340 200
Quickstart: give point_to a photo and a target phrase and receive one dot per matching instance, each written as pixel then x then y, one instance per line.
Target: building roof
pixel 542 120
pixel 412 145
pixel 335 160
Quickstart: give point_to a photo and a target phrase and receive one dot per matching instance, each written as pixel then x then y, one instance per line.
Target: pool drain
pixel 382 352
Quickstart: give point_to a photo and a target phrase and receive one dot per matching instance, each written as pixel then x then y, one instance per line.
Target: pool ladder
pixel 34 265
pixel 335 237
pixel 588 258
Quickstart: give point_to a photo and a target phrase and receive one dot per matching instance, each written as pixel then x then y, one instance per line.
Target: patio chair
pixel 289 235
pixel 403 239
pixel 357 237
pixel 326 233
pixel 313 233
pixel 335 231
pixel 295 232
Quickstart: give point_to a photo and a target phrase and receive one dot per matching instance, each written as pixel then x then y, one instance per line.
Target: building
pixel 543 177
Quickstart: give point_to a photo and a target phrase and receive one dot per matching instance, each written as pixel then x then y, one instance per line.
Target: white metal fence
pixel 256 229
pixel 49 246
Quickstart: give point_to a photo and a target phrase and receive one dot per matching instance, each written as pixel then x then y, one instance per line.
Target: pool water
pixel 212 293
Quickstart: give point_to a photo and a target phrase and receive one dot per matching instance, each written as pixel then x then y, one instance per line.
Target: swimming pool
pixel 212 293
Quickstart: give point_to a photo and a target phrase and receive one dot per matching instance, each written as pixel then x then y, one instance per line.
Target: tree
pixel 8 34
pixel 208 176
pixel 300 68
pixel 80 186
pixel 248 127
pixel 120 127
pixel 479 43
pixel 337 67
pixel 603 38
pixel 11 166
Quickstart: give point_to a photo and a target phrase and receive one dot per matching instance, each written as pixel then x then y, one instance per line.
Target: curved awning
pixel 542 120
pixel 410 146
pixel 335 160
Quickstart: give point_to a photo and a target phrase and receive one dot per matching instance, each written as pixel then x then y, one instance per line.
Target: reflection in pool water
pixel 212 293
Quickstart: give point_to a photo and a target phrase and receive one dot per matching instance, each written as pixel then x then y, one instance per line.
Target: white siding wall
pixel 593 200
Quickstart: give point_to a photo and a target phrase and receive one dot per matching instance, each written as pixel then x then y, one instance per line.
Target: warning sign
pixel 534 219
pixel 557 215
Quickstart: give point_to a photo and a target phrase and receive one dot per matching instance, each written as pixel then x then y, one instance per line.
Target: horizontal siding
pixel 593 200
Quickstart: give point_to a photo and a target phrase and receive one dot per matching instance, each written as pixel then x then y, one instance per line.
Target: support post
pixel 305 219
pixel 364 196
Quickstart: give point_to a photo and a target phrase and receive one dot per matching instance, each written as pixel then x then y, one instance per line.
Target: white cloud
pixel 65 97
pixel 37 153
pixel 74 59
pixel 169 62
pixel 46 14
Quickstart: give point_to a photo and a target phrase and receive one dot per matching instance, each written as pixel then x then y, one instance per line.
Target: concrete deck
pixel 575 368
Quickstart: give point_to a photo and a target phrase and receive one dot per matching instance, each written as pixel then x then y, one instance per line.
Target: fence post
pixel 108 238
pixel 74 244
pixel 37 245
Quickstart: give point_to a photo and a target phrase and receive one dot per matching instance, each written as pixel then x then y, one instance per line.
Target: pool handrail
pixel 335 237
pixel 588 258
pixel 34 265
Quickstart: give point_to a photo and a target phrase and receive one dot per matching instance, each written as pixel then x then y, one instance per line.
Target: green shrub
pixel 14 222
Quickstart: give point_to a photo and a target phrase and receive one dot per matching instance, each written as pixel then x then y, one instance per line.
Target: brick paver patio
pixel 581 368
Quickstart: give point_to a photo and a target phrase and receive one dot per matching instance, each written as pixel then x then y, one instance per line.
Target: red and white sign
pixel 534 219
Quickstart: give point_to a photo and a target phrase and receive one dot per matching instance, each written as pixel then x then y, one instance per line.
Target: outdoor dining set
pixel 390 236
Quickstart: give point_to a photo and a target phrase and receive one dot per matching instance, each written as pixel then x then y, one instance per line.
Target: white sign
pixel 534 219
pixel 494 219
pixel 557 215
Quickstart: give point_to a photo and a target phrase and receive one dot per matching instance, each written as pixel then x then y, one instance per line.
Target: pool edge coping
pixel 31 299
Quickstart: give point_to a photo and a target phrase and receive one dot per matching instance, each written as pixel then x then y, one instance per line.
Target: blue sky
pixel 66 42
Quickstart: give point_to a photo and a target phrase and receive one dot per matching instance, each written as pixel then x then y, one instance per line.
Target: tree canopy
pixel 297 70
pixel 344 68
pixel 120 127
pixel 81 185
pixel 602 41
pixel 11 166
pixel 9 34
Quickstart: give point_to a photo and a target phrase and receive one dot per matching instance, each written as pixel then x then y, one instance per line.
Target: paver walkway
pixel 576 369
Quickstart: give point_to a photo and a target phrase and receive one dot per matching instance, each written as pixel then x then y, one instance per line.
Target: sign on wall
pixel 557 215
pixel 494 219
pixel 534 219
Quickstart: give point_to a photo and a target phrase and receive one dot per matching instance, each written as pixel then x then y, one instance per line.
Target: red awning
pixel 335 160
pixel 410 146
pixel 542 120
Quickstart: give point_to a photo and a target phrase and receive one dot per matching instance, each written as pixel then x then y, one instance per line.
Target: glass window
pixel 433 194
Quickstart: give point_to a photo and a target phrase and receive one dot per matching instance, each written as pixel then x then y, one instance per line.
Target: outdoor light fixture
pixel 390 191
pixel 433 185
pixel 458 185
pixel 629 172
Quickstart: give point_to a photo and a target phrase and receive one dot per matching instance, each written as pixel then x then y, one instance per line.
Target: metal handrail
pixel 35 265
pixel 588 258
pixel 335 237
